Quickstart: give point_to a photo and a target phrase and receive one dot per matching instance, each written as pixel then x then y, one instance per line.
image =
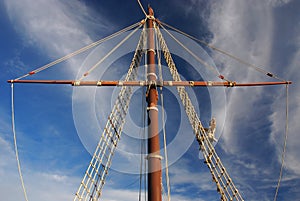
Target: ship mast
pixel 97 171
pixel 154 158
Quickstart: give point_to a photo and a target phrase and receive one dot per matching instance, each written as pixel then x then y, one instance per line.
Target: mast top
pixel 150 10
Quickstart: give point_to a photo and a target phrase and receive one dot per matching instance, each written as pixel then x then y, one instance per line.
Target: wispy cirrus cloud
pixel 48 24
pixel 243 28
pixel 49 185
pixel 54 28
pixel 255 122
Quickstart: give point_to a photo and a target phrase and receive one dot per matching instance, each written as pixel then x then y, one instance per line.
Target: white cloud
pixel 49 26
pixel 52 26
pixel 292 161
pixel 182 179
pixel 7 158
pixel 119 194
pixel 181 174
pixel 277 3
pixel 247 30
pixel 129 195
pixel 244 30
pixel 49 186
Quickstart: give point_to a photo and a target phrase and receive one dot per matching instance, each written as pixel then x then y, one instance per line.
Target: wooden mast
pixel 154 158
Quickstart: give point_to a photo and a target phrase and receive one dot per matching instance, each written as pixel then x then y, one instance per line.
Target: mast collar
pixel 150 17
pixel 154 156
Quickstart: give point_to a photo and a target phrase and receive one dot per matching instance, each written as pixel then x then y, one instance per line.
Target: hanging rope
pixel 160 76
pixel 259 69
pixel 15 141
pixel 110 52
pixel 165 146
pixel 164 195
pixel 285 142
pixel 68 56
pixel 144 92
pixel 142 146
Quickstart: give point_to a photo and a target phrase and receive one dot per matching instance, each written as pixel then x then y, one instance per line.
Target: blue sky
pixel 52 156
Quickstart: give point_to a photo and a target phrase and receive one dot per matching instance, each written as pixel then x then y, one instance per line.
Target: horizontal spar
pixel 146 83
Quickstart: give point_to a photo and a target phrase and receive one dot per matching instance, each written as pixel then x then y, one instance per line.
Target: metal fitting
pixel 153 74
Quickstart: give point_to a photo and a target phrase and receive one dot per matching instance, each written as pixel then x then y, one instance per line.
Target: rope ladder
pixel 95 175
pixel 220 176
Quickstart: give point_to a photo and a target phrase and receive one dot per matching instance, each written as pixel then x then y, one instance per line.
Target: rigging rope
pixel 195 56
pixel 15 141
pixel 164 196
pixel 110 52
pixel 285 142
pixel 259 69
pixel 142 7
pixel 68 56
pixel 158 53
